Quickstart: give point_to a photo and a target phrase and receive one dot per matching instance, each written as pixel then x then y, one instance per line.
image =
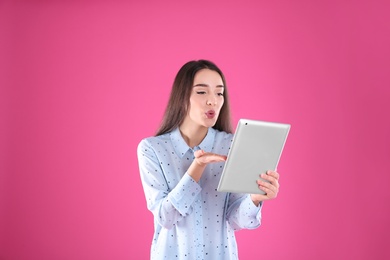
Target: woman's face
pixel 206 99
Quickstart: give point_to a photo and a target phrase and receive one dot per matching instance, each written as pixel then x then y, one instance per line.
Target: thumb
pixel 198 153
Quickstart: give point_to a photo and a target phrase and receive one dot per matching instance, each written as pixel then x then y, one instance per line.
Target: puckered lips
pixel 210 114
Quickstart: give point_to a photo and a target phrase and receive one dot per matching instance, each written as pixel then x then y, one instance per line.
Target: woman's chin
pixel 210 122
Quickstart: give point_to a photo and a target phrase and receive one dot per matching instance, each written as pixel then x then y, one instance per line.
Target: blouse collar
pixel 181 147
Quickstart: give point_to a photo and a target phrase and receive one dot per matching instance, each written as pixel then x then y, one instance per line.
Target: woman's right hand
pixel 200 162
pixel 203 158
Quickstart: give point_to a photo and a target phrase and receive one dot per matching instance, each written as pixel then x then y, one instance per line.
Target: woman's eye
pixel 220 94
pixel 201 92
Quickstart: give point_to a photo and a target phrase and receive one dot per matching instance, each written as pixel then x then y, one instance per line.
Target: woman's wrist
pixel 255 201
pixel 196 170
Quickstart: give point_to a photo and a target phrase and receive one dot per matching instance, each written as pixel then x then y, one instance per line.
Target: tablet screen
pixel 256 148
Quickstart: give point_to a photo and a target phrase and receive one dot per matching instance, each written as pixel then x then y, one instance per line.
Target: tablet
pixel 256 148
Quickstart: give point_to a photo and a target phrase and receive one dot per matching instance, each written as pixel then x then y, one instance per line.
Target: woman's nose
pixel 212 100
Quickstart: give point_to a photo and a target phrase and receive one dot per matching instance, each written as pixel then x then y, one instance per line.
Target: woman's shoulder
pixel 154 140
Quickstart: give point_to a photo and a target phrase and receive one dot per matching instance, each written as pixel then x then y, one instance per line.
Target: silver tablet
pixel 256 148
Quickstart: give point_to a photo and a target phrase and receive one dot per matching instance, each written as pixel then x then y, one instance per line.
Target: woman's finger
pixel 214 157
pixel 271 178
pixel 267 185
pixel 273 174
pixel 270 189
pixel 205 157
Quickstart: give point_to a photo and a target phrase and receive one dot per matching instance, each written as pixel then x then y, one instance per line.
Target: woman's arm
pixel 244 210
pixel 168 206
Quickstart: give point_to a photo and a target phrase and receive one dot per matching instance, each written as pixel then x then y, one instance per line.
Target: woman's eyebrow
pixel 205 85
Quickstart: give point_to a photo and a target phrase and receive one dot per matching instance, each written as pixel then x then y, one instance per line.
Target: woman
pixel 181 166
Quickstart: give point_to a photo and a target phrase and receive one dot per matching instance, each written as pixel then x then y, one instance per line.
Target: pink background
pixel 82 82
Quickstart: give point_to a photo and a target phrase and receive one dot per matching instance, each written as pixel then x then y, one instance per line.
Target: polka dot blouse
pixel 191 220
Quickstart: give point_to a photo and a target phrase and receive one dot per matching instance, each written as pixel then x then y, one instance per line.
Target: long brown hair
pixel 179 99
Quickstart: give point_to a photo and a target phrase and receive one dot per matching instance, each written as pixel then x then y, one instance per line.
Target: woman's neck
pixel 193 136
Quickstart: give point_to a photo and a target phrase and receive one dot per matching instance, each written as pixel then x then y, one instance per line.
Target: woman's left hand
pixel 270 188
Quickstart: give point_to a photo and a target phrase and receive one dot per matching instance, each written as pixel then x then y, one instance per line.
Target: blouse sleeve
pixel 242 212
pixel 167 206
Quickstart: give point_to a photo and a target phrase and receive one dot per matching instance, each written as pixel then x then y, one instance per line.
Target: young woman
pixel 181 166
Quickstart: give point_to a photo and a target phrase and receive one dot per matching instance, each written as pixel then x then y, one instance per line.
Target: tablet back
pixel 256 148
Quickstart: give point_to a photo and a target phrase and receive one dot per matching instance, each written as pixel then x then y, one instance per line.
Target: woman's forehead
pixel 207 77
